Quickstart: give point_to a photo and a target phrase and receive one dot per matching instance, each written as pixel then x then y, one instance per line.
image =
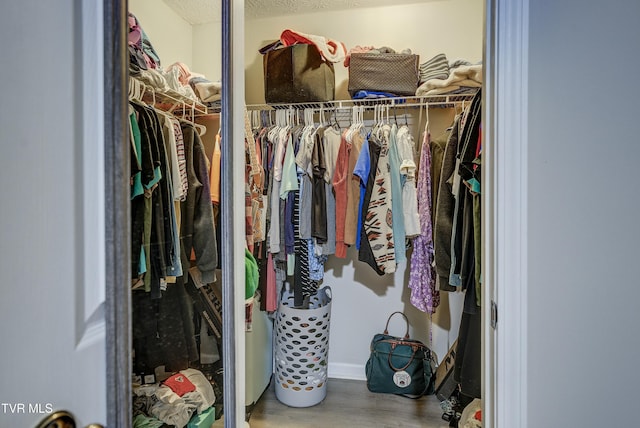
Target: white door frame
pixel 504 210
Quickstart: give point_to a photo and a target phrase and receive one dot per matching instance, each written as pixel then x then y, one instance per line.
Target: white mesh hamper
pixel 302 350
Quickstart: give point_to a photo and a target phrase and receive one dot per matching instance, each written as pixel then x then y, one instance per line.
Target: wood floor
pixel 349 405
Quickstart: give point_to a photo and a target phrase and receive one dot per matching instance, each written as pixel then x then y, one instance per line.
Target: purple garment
pixel 422 276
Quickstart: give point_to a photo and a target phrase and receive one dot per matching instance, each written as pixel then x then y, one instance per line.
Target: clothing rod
pixel 402 102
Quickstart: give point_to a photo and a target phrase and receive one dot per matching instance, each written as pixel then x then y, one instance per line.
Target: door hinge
pixel 494 314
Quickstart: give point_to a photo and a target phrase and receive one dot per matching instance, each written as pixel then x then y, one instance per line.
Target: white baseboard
pixel 346 371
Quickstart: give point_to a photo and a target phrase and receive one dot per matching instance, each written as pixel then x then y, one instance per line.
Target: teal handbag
pixel 399 365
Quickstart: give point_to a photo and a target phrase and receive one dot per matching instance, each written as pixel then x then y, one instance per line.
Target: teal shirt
pixel 397 214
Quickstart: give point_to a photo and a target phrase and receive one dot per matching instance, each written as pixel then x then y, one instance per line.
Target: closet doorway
pixel 234 122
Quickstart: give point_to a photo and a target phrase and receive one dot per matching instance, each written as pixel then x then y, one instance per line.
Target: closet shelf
pixel 166 99
pixel 443 100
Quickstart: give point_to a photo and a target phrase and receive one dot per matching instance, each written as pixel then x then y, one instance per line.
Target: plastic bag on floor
pixel 472 415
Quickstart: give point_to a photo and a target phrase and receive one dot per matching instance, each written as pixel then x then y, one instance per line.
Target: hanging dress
pixel 422 278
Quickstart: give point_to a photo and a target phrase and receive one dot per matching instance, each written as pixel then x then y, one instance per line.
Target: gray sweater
pixel 197 229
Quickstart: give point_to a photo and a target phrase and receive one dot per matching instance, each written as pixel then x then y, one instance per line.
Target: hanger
pixel 266 118
pixel 132 88
pixel 426 125
pixel 308 118
pixel 335 118
pixel 291 117
pixel 280 124
pixel 201 128
pixel 353 125
pixel 137 90
pixel 380 119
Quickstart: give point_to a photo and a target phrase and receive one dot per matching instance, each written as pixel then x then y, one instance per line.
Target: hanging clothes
pixel 353 191
pixel 422 278
pixel 197 226
pixel 438 146
pixel 359 189
pixel 445 204
pixel 340 186
pixel 406 149
pixel 151 211
pixel 319 199
pixel 171 219
pixel 467 369
pixel 463 172
pixel 377 222
pixel 365 169
pixel 331 141
pixel 397 203
pixel 215 171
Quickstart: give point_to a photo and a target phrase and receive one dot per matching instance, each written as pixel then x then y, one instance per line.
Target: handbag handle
pixel 403 367
pixel 386 328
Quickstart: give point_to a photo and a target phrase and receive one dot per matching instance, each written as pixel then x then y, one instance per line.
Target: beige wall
pixel 207 50
pixel 453 27
pixel 171 36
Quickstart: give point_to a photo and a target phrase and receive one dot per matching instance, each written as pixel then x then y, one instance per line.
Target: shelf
pixel 443 100
pixel 166 99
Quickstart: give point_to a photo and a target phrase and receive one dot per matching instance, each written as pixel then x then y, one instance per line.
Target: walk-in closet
pixel 187 40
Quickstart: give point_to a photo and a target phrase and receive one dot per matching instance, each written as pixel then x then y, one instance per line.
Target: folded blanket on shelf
pixel 453 90
pixel 434 68
pixel 468 76
pixel 206 90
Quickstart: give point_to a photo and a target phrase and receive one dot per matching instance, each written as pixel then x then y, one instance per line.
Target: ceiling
pixel 204 11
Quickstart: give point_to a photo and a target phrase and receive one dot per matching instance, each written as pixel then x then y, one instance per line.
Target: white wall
pixel 170 35
pixel 584 235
